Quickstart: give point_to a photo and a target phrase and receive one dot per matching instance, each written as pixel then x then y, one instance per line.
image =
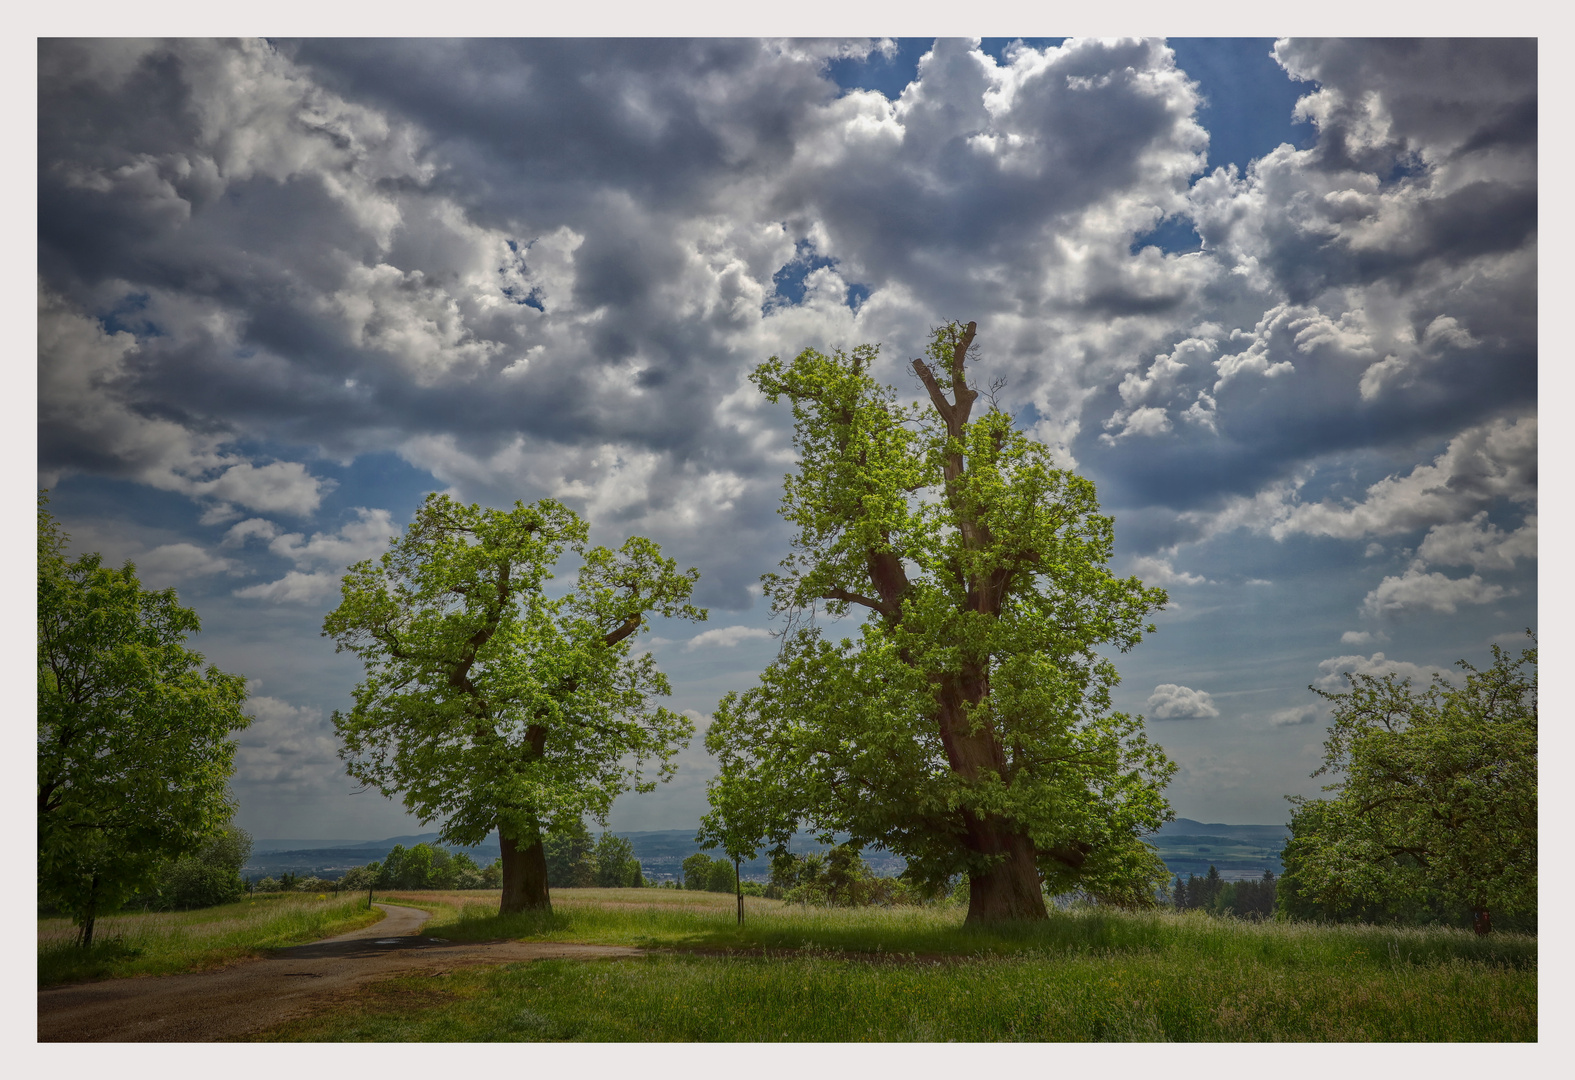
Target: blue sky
pixel 1277 299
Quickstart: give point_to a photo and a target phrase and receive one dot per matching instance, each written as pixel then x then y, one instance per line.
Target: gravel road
pixel 234 1001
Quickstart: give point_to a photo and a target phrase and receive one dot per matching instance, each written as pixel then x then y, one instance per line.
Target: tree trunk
pixel 1482 921
pixel 524 876
pixel 85 936
pixel 1011 889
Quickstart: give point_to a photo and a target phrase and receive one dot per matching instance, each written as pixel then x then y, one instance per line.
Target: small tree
pixel 568 852
pixel 697 872
pixel 134 733
pixel 616 866
pixel 1437 801
pixel 489 704
pixel 966 724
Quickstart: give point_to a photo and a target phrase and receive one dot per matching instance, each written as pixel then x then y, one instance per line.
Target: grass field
pixel 164 943
pixel 795 974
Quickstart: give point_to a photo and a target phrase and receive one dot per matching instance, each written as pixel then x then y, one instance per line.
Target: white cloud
pixel 242 531
pixel 294 588
pixel 279 487
pixel 88 423
pixel 1356 637
pixel 1376 665
pixel 170 564
pixel 1155 570
pixel 1150 420
pixel 1172 702
pixel 287 749
pixel 1479 543
pixel 1496 460
pixel 363 538
pixel 1294 717
pixel 329 553
pixel 1415 591
pixel 725 637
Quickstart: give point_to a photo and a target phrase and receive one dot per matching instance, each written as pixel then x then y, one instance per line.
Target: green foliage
pixel 425 866
pixel 356 879
pixel 839 878
pixel 488 703
pixel 1436 811
pixel 616 866
pixel 569 860
pixel 209 876
pixel 967 719
pixel 1210 894
pixel 134 733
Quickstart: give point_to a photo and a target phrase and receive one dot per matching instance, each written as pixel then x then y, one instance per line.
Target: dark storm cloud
pixel 519 269
pixel 1381 292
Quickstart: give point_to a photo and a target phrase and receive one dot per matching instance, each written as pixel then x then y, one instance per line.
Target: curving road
pixel 234 1001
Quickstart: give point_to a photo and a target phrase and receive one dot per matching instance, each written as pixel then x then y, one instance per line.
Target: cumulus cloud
pixel 1172 702
pixel 286 750
pixel 171 564
pixel 725 637
pixel 319 560
pixel 550 275
pixel 1294 717
pixel 294 588
pixel 1415 592
pixel 1377 665
pixel 1158 571
pixel 90 421
pixel 1481 465
pixel 1479 544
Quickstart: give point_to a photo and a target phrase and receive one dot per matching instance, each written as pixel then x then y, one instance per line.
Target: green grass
pixel 799 974
pixel 165 943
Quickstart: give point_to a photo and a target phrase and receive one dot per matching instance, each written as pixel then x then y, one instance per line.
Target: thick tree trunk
pixel 1011 889
pixel 524 876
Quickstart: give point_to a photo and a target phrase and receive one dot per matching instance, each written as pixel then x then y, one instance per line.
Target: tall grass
pixel 168 942
pixel 673 919
pixel 796 974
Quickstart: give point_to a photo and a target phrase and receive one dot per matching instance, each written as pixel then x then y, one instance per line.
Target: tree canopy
pixel 134 732
pixel 1436 805
pixel 489 703
pixel 965 724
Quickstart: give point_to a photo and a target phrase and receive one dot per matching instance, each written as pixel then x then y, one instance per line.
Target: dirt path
pixel 234 1001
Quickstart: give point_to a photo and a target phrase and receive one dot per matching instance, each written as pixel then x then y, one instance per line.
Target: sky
pixel 1277 299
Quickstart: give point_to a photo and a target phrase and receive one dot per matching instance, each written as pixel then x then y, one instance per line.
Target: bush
pixel 206 878
pixel 839 878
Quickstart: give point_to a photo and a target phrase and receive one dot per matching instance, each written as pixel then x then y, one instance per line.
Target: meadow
pixel 166 943
pixel 896 974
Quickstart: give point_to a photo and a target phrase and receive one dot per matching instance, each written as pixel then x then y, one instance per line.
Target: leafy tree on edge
pixel 966 725
pixel 1438 802
pixel 491 705
pixel 134 747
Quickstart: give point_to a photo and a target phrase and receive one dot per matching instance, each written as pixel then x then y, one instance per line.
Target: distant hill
pixel 1187 846
pixel 661 854
pixel 1236 851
